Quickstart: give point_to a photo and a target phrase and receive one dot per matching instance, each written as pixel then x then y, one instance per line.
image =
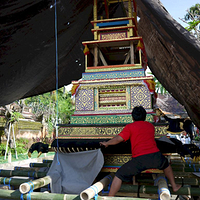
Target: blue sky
pixel 177 8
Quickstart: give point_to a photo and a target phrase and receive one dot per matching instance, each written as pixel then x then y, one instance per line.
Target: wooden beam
pixel 102 58
pixel 127 58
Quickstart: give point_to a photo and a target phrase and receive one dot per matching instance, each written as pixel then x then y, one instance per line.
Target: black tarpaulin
pixel 27 48
pixel 27 51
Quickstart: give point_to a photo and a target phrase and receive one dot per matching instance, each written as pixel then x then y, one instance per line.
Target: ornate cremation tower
pixel 114 80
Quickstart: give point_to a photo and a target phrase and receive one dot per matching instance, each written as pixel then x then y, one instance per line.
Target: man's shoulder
pixel 139 123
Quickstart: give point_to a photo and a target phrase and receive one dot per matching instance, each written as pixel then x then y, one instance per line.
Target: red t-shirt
pixel 141 135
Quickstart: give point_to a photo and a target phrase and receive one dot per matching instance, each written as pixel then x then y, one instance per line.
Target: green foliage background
pixel 46 105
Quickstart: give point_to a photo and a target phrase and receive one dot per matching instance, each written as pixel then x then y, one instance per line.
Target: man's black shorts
pixel 141 163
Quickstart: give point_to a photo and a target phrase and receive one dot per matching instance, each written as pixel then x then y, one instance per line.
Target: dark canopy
pixel 27 50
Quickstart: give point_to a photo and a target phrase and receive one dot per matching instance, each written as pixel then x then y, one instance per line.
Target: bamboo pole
pixel 184 181
pixel 12 181
pixel 185 169
pixel 40 164
pixel 190 160
pixel 47 161
pixel 185 174
pixel 96 188
pixel 9 173
pixel 163 190
pixel 144 189
pixel 15 194
pixel 27 168
pixel 190 165
pixel 35 184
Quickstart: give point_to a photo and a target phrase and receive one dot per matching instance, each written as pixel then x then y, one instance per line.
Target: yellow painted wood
pixel 95 17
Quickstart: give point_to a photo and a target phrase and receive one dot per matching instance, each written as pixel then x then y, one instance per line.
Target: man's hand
pixel 116 140
pixel 103 144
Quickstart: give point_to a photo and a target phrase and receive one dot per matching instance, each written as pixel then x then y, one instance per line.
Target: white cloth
pixel 76 171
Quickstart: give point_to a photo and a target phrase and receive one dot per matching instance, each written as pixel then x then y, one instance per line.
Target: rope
pixel 16 168
pixel 4 182
pixel 95 189
pixel 33 175
pixel 31 190
pixel 161 189
pixel 56 41
pixel 22 197
pixel 158 178
pixel 49 187
pixel 194 167
pixel 110 178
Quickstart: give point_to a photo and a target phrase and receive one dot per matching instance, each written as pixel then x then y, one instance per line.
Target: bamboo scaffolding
pixel 12 194
pixel 15 194
pixel 96 188
pixel 32 174
pixel 35 184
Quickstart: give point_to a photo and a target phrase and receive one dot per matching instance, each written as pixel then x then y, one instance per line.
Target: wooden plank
pixel 112 28
pixel 112 20
pixel 111 43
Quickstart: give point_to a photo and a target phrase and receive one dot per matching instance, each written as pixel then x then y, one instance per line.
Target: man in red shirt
pixel 145 153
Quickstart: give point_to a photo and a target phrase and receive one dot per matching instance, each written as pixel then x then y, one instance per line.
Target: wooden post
pixel 95 18
pixel 7 140
pixel 14 142
pixel 130 14
pixel 95 56
pixel 132 52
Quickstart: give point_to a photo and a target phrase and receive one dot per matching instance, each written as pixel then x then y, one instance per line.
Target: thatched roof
pixel 170 106
pixel 173 55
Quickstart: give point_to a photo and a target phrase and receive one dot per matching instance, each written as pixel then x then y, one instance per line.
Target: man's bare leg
pixel 169 174
pixel 115 186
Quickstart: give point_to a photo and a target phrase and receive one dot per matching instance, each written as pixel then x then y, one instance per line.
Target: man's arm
pixel 112 141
